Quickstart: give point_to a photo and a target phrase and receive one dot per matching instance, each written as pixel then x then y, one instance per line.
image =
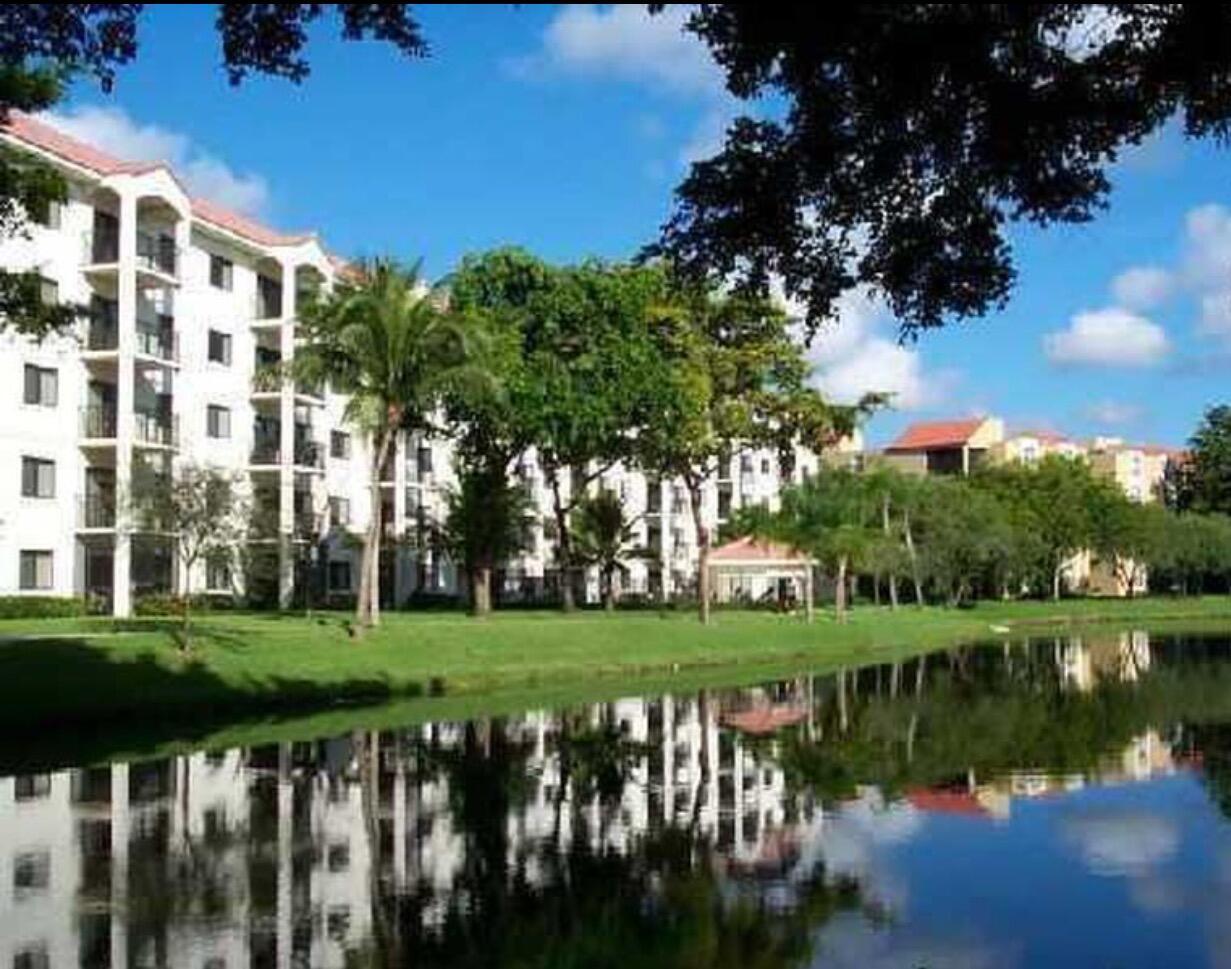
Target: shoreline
pixel 127 675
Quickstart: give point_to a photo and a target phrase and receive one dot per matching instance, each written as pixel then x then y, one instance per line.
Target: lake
pixel 1053 802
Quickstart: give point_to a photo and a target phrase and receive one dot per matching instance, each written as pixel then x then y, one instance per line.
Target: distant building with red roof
pixel 945 447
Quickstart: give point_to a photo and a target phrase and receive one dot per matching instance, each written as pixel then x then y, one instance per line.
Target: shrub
pixel 166 604
pixel 41 607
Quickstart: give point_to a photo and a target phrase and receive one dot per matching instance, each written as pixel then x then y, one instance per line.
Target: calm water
pixel 1052 803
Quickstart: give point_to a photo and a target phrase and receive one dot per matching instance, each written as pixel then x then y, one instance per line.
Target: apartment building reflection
pixel 283 855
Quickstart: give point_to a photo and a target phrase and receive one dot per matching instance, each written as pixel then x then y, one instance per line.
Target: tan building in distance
pixel 945 447
pixel 961 446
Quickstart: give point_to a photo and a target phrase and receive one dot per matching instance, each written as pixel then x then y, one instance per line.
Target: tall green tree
pixel 964 535
pixel 715 381
pixel 590 359
pixel 1054 501
pixel 834 516
pixel 382 338
pixel 483 528
pixel 1205 474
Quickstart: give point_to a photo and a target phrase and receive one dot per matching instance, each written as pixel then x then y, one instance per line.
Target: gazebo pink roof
pixel 753 550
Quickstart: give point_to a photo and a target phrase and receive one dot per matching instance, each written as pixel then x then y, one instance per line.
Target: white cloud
pixel 857 355
pixel 1113 412
pixel 709 135
pixel 204 174
pixel 625 42
pixel 1142 287
pixel 1109 337
pixel 1116 842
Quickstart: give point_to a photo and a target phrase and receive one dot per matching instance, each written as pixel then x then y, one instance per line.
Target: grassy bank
pixel 83 670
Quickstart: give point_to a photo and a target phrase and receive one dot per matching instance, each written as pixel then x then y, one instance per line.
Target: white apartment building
pixel 190 305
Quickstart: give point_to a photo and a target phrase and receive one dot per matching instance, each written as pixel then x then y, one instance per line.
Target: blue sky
pixel 564 129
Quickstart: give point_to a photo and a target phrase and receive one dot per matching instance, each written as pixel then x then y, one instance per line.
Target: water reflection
pixel 807 821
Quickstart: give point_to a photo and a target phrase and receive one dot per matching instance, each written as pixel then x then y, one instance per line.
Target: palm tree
pixel 603 537
pixel 390 343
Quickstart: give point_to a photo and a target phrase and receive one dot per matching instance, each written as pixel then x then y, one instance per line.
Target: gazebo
pixel 748 569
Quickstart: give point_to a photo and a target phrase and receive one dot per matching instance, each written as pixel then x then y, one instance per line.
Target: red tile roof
pixel 45 137
pixel 749 549
pixel 942 801
pixel 764 721
pixel 929 435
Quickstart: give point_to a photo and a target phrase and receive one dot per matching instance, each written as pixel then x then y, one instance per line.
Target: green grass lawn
pixel 62 671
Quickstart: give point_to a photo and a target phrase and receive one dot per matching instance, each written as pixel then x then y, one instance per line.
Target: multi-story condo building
pixel 191 312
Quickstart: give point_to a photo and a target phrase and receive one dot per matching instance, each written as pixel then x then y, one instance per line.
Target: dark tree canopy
pixel 899 142
pixel 1205 477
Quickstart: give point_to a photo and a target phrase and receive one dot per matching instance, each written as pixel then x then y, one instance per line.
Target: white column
pixel 286 482
pixel 399 815
pixel 400 564
pixel 126 283
pixel 737 798
pixel 285 817
pixel 668 741
pixel 119 865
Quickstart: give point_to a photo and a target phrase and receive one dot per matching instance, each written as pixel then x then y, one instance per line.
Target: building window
pixel 221 273
pixel 339 511
pixel 48 215
pixel 49 292
pixel 220 347
pixel 217 421
pixel 218 575
pixel 339 445
pixel 32 957
pixel 32 871
pixel 339 575
pixel 35 569
pixel 32 787
pixel 42 385
pixel 764 465
pixel 38 478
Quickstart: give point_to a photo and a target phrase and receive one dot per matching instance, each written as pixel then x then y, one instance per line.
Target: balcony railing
pixel 157 341
pixel 266 452
pixel 102 334
pixel 268 302
pixel 101 248
pixel 157 429
pixel 98 422
pixel 96 511
pixel 309 454
pixel 158 253
pixel 307 524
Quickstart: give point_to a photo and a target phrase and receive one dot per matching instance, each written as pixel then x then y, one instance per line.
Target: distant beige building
pixel 945 447
pixel 961 446
pixel 1029 447
pixel 1139 469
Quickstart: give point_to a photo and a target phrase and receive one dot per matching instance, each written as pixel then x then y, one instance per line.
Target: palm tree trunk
pixel 564 540
pixel 703 551
pixel 913 555
pixel 609 598
pixel 839 592
pixel 892 575
pixel 481 591
pixel 367 608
